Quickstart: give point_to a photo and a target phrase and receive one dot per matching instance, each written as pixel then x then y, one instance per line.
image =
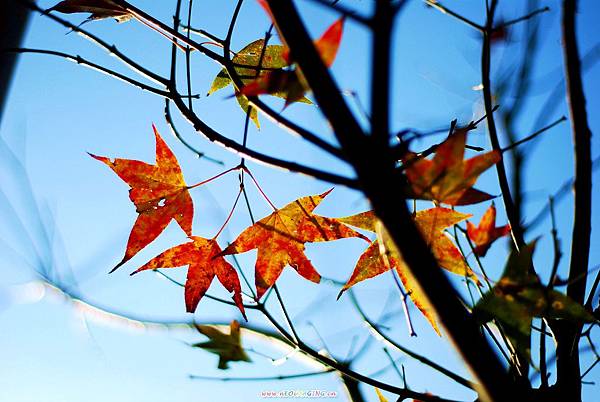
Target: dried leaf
pixel 447 178
pixel 99 9
pixel 227 346
pixel 204 260
pixel 486 232
pixel 383 254
pixel 158 192
pixel 280 239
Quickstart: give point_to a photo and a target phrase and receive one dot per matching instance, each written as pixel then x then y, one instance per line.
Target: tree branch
pixel 391 208
pixel 111 49
pixel 235 147
pixel 83 62
pixel 511 211
pixel 568 367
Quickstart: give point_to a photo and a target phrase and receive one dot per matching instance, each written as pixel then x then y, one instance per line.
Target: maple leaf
pixel 486 232
pixel 280 239
pixel 250 55
pixel 204 260
pixel 327 45
pixel 99 9
pixel 158 192
pixel 291 84
pixel 227 346
pixel 447 178
pixel 382 254
pixel 519 296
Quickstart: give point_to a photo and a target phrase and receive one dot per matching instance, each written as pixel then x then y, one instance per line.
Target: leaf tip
pixel 123 261
pixel 326 193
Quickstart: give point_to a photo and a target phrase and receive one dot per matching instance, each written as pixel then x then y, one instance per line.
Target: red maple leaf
pixel 205 262
pixel 159 194
pixel 486 232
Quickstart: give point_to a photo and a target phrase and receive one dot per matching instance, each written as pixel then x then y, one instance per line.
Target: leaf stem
pixel 213 178
pixel 230 214
pixel 259 188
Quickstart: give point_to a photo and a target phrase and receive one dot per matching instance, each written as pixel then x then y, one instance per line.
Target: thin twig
pixel 535 134
pixel 111 49
pixel 445 10
pixel 422 359
pixel 559 195
pixel 346 12
pixel 555 245
pixel 266 378
pixel 404 298
pixel 346 371
pixel 523 18
pixel 83 62
pixel 177 134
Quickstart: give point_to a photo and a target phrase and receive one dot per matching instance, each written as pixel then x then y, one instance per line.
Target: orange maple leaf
pixel 447 178
pixel 382 254
pixel 159 194
pixel 205 262
pixel 280 239
pixel 486 232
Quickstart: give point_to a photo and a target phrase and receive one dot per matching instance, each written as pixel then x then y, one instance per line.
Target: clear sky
pixel 58 111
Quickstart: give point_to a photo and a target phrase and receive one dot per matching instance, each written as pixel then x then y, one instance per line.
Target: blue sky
pixel 58 111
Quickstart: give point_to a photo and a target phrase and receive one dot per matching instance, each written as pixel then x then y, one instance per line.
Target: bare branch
pixel 523 18
pixel 422 359
pixel 568 366
pixel 445 10
pixel 238 148
pixel 266 378
pixel 83 62
pixel 177 134
pixel 559 195
pixel 346 12
pixel 535 134
pixel 111 49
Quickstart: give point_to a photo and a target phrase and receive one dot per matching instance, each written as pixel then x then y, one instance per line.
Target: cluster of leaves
pixel 160 194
